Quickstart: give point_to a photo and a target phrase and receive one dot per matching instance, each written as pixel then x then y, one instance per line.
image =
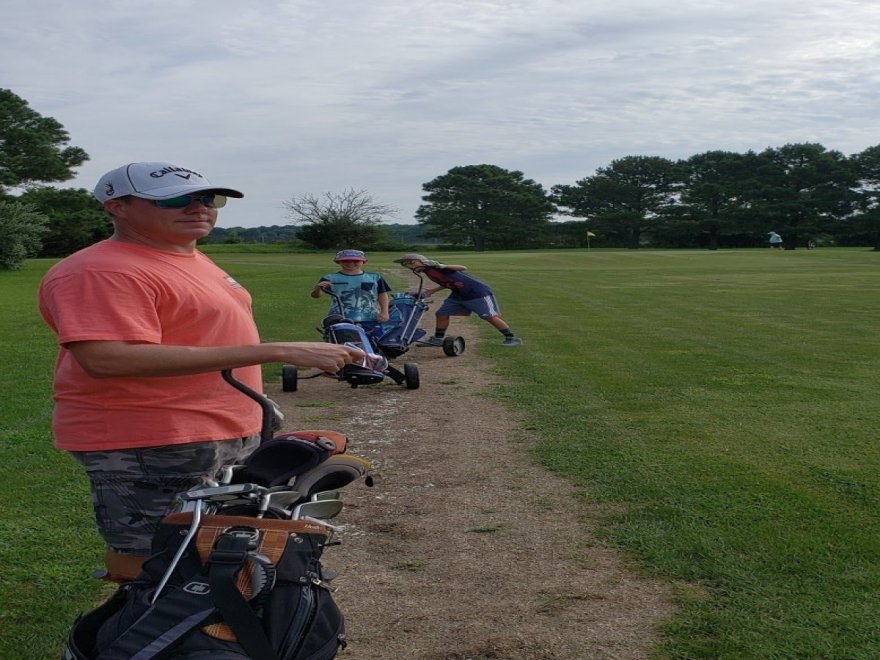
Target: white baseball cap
pixel 155 181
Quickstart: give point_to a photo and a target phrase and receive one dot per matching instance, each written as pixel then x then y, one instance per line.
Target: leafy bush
pixel 21 230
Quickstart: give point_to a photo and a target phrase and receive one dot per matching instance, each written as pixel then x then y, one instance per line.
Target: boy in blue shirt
pixel 467 296
pixel 364 296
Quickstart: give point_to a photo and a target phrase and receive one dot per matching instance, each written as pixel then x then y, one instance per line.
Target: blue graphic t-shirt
pixel 359 294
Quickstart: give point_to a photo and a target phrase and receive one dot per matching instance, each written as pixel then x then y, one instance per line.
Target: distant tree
pixel 803 190
pixel 76 219
pixel 408 233
pixel 32 147
pixel 271 234
pixel 625 198
pixel 867 218
pixel 21 227
pixel 571 233
pixel 487 207
pixel 715 195
pixel 338 220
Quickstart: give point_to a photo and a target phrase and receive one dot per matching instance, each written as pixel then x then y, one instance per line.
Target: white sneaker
pixel 512 341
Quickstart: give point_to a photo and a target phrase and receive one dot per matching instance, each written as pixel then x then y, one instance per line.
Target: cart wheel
pixel 288 378
pixel 411 375
pixel 453 346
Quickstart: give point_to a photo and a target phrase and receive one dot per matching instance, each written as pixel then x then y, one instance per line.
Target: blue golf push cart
pixel 386 342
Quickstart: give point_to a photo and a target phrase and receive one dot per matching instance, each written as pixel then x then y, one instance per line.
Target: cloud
pixel 287 97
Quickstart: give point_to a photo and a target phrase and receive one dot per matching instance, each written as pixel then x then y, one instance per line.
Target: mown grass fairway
pixel 719 406
pixel 730 400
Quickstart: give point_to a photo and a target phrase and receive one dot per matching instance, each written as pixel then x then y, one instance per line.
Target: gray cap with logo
pixel 155 180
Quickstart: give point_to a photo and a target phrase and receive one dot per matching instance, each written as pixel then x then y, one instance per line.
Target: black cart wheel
pixel 288 378
pixel 453 346
pixel 411 375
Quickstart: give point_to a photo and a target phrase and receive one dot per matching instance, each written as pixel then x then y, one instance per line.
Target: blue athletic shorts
pixel 486 307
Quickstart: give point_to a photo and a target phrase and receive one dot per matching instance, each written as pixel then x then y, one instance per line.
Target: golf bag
pixel 405 312
pixel 244 588
pixel 373 367
pixel 368 371
pixel 244 580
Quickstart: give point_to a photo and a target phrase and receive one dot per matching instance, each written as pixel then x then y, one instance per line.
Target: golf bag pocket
pixel 242 588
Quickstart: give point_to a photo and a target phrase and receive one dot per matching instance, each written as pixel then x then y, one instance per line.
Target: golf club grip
pixel 268 412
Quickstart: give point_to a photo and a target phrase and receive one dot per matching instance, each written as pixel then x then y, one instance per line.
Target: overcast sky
pixel 286 97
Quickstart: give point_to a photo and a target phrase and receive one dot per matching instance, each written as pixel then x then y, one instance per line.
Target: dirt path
pixel 465 549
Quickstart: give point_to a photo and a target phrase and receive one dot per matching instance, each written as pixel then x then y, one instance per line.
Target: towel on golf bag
pixel 246 588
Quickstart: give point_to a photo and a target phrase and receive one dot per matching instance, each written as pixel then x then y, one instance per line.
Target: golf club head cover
pixel 334 473
pixel 276 462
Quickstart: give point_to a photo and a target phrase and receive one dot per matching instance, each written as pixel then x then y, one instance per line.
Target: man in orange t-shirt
pixel 145 324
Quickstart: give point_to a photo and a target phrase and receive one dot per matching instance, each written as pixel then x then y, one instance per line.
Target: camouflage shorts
pixel 132 488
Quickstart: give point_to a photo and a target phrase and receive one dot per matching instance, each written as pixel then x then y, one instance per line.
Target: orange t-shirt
pixel 122 292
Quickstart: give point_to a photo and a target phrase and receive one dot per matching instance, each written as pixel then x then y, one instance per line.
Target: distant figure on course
pixel 775 240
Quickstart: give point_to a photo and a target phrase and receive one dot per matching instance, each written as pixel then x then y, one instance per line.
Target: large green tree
pixel 32 147
pixel 487 207
pixel 715 195
pixel 866 220
pixel 803 190
pixel 624 199
pixel 76 219
pixel 339 220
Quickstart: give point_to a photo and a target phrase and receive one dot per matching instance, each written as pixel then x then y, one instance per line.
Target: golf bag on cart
pixel 372 369
pixel 235 570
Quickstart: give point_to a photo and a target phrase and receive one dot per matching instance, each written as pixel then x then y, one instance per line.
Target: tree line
pixel 805 192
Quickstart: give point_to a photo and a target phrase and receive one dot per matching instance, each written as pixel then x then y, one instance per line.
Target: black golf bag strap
pixel 164 624
pixel 229 553
pixel 177 613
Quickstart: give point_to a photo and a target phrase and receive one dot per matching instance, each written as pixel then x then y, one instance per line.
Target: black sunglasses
pixel 210 200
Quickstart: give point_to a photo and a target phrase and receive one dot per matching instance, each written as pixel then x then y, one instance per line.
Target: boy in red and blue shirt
pixel 467 296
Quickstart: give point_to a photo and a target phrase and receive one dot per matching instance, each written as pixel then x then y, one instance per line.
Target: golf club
pixel 317 509
pixel 284 498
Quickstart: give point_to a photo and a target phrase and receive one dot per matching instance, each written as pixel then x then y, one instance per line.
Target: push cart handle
pixel 268 410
